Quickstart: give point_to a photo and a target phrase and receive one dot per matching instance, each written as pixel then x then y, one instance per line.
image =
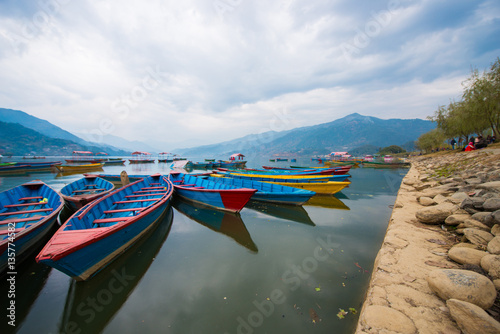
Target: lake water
pixel 269 269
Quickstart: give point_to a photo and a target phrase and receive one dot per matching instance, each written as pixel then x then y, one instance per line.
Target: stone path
pixel 439 264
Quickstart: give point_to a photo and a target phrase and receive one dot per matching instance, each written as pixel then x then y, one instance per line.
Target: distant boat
pixel 85 190
pixel 80 168
pixel 114 162
pixel 217 195
pixel 165 157
pixel 100 231
pixel 141 158
pixel 27 214
pixel 281 159
pixel 85 157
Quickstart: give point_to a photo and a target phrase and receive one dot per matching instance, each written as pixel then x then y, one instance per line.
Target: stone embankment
pixel 438 270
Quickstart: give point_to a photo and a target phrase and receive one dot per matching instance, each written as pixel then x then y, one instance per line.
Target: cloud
pixel 198 72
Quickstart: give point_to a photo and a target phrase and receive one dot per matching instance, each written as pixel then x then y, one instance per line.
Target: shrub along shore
pixel 438 270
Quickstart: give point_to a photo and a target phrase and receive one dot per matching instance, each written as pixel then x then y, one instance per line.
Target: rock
pixel 465 255
pixel 491 263
pixel 467 245
pixel 478 203
pixel 496 217
pixel 494 246
pixel 384 318
pixel 472 223
pixel 463 285
pixel 435 214
pixel 496 282
pixel 471 318
pixel 439 199
pixel 492 204
pixel 493 185
pixel 426 201
pixel 474 180
pixel 456 219
pixel 478 237
pixel 495 230
pixel 460 196
pixel 481 216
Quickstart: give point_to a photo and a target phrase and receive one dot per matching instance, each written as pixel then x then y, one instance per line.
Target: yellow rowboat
pixel 330 187
pixel 355 163
pixel 285 177
pixel 77 168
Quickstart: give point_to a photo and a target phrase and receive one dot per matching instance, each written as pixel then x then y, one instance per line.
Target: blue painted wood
pixel 23 225
pixel 268 192
pixel 92 238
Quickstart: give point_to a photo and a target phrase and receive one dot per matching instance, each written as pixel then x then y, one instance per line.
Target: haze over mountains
pixel 354 133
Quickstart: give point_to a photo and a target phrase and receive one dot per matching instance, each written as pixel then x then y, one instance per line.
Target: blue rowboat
pixel 213 194
pixel 100 231
pixel 85 190
pixel 27 214
pixel 268 192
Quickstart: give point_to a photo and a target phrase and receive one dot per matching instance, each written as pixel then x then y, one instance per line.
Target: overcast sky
pixel 185 73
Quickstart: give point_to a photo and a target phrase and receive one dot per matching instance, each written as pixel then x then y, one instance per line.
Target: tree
pixel 393 149
pixel 431 140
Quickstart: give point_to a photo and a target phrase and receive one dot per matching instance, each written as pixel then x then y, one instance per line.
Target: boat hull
pixel 85 190
pixel 216 195
pixel 80 249
pixel 26 240
pixel 325 188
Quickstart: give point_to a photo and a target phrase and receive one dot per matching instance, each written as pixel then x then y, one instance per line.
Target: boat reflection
pixel 327 201
pixel 90 305
pixel 30 280
pixel 289 212
pixel 227 223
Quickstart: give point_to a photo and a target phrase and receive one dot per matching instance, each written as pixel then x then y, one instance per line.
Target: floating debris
pixel 357 265
pixel 314 316
pixel 342 313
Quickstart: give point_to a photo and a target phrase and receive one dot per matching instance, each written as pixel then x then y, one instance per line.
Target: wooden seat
pixel 134 196
pixel 137 201
pixel 187 185
pixel 17 230
pixel 30 198
pixel 149 191
pixel 87 190
pixel 23 204
pixel 19 220
pixel 152 188
pixel 111 220
pixel 24 212
pixel 125 210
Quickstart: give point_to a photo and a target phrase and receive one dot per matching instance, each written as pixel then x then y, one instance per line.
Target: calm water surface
pixel 270 269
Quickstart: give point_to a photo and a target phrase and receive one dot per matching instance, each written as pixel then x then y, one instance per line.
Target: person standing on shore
pixel 453 143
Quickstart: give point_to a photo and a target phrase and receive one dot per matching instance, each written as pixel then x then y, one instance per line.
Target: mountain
pixel 47 129
pixel 42 126
pixel 344 134
pixel 16 139
pixel 118 142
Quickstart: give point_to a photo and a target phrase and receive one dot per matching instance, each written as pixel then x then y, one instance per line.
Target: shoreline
pixel 399 298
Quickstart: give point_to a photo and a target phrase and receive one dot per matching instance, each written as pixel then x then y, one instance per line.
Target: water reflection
pixel 92 304
pixel 30 280
pixel 227 223
pixel 288 212
pixel 327 201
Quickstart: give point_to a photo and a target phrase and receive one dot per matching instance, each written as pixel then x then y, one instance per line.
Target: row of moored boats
pixel 109 219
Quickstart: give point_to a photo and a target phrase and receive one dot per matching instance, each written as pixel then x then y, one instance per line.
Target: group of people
pixel 476 143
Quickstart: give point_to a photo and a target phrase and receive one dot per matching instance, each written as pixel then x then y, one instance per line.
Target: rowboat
pixel 100 231
pixel 267 192
pixel 24 167
pixel 85 190
pixel 141 158
pixel 114 162
pixel 80 168
pixel 84 157
pixel 325 171
pixel 323 188
pixel 27 214
pixel 285 178
pixel 165 157
pixel 213 194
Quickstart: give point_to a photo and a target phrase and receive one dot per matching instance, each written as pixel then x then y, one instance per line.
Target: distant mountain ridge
pixel 344 134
